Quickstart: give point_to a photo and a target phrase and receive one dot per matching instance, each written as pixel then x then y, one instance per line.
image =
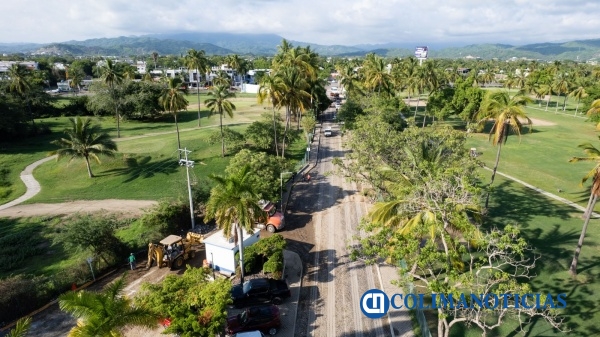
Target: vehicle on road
pixel 334 89
pixel 249 334
pixel 263 318
pixel 272 220
pixel 173 250
pixel 259 290
pixel 338 105
pixel 328 131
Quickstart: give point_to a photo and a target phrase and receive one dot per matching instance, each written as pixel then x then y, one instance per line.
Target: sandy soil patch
pixel 126 207
pixel 540 122
pixel 414 102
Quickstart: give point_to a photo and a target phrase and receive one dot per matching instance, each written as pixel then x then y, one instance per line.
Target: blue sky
pixel 346 22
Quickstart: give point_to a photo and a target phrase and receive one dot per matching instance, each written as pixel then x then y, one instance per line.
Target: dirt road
pixel 333 285
pixel 128 207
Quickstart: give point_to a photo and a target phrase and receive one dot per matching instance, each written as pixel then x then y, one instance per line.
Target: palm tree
pixel 561 86
pixel 507 113
pixel 578 93
pixel 111 76
pixel 76 75
pixel 197 60
pixel 295 97
pixel 271 88
pixel 155 58
pixel 173 100
pixel 594 110
pixel 21 328
pixel 105 313
pixel 593 154
pixel 218 102
pixel 86 141
pixel 129 72
pixel 234 202
pixel 20 84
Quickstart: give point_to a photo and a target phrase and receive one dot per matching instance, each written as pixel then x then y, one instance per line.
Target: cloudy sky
pixel 346 22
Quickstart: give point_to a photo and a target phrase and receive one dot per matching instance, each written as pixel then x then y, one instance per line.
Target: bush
pixel 266 254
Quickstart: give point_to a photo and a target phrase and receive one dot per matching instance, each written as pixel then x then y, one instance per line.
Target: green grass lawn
pixel 541 158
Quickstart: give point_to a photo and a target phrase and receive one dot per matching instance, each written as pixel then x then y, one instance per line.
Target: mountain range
pixel 266 44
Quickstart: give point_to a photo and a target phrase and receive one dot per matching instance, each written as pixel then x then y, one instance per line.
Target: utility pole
pixel 188 164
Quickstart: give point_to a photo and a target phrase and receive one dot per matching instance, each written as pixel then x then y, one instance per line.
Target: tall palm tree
pixel 234 202
pixel 111 76
pixel 578 93
pixel 105 313
pixel 84 140
pixel 593 154
pixel 196 59
pixel 377 76
pixel 295 97
pixel 129 72
pixel 173 100
pixel 218 102
pixel 271 88
pixel 236 64
pixel 561 86
pixel 20 85
pixel 508 114
pixel 76 76
pixel 155 58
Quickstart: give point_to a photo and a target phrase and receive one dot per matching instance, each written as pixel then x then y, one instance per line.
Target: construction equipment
pixel 271 219
pixel 173 250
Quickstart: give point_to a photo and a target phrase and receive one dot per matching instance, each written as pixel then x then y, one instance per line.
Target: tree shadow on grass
pixel 142 168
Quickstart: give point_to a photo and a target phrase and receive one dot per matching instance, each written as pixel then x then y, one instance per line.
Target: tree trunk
pixel 275 133
pixel 287 125
pixel 573 268
pixel 556 108
pixel 548 102
pixel 577 107
pixel 587 207
pixel 417 106
pixel 241 250
pixel 177 130
pixel 222 135
pixel 487 198
pixel 565 103
pixel 198 94
pixel 424 117
pixel 89 168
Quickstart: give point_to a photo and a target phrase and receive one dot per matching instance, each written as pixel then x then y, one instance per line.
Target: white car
pixel 328 131
pixel 334 89
pixel 338 105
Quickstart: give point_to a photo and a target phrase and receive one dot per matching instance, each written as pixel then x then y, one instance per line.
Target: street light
pixel 281 187
pixel 89 261
pixel 188 164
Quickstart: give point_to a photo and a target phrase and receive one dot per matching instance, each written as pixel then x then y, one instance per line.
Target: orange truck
pixel 272 220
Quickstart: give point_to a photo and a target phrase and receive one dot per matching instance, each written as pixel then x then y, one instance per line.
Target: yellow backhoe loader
pixel 173 250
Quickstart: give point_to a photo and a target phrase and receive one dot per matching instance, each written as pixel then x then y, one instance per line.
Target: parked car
pixel 259 290
pixel 328 131
pixel 263 318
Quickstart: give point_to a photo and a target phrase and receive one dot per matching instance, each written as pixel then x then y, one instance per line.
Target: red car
pixel 264 318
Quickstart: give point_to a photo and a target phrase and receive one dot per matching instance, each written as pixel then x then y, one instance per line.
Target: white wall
pixel 250 88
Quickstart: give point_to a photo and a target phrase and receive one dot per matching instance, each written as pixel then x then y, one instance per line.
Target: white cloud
pixel 345 22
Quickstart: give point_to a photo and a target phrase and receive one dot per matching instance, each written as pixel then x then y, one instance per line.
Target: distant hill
pixel 266 44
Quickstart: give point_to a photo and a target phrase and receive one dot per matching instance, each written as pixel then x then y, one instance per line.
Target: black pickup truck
pixel 260 290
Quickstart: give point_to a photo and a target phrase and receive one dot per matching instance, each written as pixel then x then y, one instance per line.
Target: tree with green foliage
pixel 112 77
pixel 234 140
pixel 233 204
pixel 105 313
pixel 578 93
pixel 93 233
pixel 271 89
pixel 173 100
pixel 196 59
pixel 19 84
pixel 507 114
pixel 261 135
pixel 594 112
pixel 219 103
pixel 593 154
pixel 84 140
pixel 264 174
pixel 195 305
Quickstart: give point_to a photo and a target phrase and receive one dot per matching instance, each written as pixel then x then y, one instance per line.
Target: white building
pixel 5 65
pixel 141 67
pixel 220 251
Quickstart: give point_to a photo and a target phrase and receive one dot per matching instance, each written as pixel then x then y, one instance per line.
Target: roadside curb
pixel 293 274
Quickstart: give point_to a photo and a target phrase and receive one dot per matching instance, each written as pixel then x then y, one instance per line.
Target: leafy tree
pixel 234 140
pixel 19 84
pixel 195 305
pixel 507 113
pixel 218 102
pixel 173 100
pixel 94 233
pixel 233 203
pixel 349 112
pixel 196 59
pixel 271 89
pixel 594 112
pixel 260 134
pixel 86 141
pixel 578 93
pixel 466 99
pixel 593 154
pixel 105 313
pixel 265 171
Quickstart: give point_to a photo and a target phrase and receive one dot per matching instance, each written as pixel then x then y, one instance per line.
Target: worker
pixel 132 261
